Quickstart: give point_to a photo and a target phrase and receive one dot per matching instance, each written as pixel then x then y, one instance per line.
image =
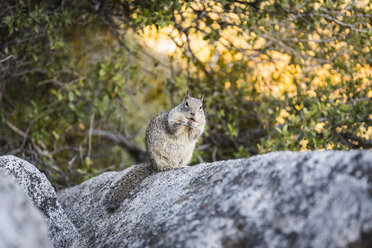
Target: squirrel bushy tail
pixel 121 187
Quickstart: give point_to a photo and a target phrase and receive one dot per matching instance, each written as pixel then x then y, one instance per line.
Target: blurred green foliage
pixel 78 84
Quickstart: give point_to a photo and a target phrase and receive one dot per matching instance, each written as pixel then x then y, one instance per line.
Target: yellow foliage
pixel 365 133
pixel 310 53
pixel 299 107
pixel 273 74
pixel 227 85
pixel 311 93
pixel 318 82
pixel 260 43
pixel 338 129
pixel 336 78
pixel 330 146
pixel 81 126
pixel 303 143
pixel 213 16
pixel 239 83
pixel 369 93
pixel 319 127
pixel 281 117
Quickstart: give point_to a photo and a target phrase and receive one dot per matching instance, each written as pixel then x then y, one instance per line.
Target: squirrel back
pixel 170 141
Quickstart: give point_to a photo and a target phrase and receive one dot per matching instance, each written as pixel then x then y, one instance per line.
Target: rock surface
pixel 62 232
pixel 22 225
pixel 283 199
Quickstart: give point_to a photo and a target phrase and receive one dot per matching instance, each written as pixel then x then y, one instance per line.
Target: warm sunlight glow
pixel 158 40
pixel 273 73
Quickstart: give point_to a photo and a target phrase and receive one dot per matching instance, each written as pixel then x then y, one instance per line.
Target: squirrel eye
pixel 187 103
pixel 201 107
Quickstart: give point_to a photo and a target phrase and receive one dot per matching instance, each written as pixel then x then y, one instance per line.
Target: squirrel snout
pixel 192 119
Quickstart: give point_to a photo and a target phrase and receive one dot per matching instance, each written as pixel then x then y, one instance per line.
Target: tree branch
pixel 118 139
pixel 346 136
pixel 7 58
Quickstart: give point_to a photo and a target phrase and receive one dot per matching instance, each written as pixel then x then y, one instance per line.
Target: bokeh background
pixel 80 80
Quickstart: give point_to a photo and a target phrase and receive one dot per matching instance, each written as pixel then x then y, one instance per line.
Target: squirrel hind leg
pixel 161 163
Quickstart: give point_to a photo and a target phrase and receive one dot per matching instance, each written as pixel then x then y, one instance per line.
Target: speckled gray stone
pixel 281 199
pixel 62 233
pixel 22 225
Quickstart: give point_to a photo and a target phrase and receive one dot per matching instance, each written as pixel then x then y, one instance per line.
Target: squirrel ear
pixel 187 95
pixel 202 98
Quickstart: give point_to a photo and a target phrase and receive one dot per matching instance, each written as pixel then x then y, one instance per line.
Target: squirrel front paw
pixel 185 121
pixel 193 124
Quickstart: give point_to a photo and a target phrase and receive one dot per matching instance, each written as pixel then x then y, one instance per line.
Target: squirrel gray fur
pixel 170 141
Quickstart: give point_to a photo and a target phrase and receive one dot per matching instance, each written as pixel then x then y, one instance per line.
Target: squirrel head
pixel 193 108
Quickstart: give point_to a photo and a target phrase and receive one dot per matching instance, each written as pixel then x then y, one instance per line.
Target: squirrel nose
pixel 192 113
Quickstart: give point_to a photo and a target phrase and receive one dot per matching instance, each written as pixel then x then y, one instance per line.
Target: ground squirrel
pixel 170 141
